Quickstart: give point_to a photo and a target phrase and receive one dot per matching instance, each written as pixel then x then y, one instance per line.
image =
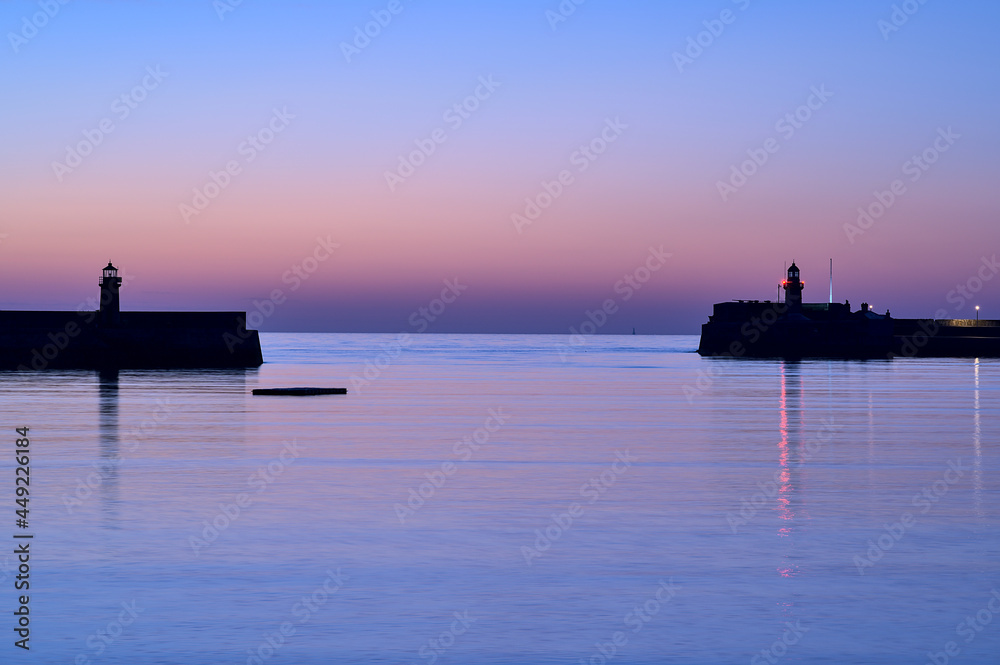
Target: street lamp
pixel 977 312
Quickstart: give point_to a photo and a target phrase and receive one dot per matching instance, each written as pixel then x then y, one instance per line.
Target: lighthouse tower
pixel 793 289
pixel 110 282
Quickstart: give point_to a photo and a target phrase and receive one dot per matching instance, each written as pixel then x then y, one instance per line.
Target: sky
pixel 511 167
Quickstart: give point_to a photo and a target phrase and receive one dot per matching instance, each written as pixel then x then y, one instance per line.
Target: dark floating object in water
pixel 300 391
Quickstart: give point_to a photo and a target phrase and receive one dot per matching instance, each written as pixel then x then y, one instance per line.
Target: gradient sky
pixel 323 175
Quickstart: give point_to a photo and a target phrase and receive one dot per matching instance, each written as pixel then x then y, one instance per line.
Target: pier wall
pixel 73 340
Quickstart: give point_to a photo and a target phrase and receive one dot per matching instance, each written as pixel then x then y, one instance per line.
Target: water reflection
pixel 977 445
pixel 106 472
pixel 789 457
pixel 871 445
pixel 333 507
pixel 121 442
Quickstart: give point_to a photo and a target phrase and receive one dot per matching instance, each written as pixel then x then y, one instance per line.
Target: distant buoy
pixel 300 391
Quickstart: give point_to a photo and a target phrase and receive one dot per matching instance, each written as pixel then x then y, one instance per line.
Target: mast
pixel 831 281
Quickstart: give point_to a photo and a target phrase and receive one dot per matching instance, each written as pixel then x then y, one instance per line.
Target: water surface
pixel 702 508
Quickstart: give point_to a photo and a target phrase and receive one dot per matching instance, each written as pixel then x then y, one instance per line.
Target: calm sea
pixel 509 499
